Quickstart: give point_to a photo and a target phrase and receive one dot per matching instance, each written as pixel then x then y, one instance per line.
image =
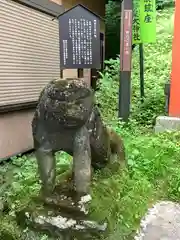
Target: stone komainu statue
pixel 67 119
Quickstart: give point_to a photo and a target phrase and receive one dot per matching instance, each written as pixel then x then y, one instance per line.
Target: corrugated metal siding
pixel 29 52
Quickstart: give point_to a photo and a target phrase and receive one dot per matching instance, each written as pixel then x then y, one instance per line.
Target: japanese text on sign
pixel 127 41
pixel 148 9
pixel 136 22
pixel 127 35
pixel 79 39
pixel 80 32
pixel 148 20
pixel 144 21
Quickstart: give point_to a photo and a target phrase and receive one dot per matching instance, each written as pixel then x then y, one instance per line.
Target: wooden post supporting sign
pixel 125 59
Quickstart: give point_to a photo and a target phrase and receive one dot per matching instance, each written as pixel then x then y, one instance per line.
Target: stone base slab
pixel 166 123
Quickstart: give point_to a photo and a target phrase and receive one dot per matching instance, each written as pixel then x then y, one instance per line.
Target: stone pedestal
pixel 61 216
pixel 166 123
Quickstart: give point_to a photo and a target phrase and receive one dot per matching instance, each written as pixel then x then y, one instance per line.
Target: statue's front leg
pixel 47 170
pixel 82 162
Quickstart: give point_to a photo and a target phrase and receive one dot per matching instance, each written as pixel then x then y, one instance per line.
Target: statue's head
pixel 70 101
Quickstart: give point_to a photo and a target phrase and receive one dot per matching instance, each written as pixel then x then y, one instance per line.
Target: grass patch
pixel 121 198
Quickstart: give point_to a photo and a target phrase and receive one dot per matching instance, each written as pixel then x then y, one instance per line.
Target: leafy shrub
pixel 164 3
pixel 112 23
pixel 157 67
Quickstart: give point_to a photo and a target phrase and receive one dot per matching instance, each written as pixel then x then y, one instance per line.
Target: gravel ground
pixel 162 222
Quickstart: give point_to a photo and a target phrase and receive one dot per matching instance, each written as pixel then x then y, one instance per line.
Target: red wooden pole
pixel 174 104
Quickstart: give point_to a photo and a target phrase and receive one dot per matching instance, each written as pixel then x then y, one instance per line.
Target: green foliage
pixel 153 174
pixel 160 4
pixel 112 24
pixel 153 159
pixel 19 186
pixel 157 67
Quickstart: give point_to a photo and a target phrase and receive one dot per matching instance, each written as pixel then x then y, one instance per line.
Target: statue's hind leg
pixel 117 147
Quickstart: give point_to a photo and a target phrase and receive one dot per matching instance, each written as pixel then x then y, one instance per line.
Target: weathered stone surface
pixel 166 123
pixel 68 119
pixel 68 220
pixel 162 222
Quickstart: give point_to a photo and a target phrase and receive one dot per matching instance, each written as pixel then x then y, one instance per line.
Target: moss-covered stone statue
pixel 67 119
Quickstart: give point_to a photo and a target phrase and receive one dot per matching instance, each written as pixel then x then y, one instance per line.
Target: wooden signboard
pixel 79 30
